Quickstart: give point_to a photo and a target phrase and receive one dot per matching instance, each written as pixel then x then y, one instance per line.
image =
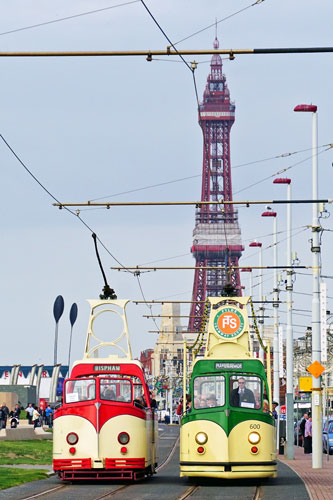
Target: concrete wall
pixel 10 398
pixel 25 394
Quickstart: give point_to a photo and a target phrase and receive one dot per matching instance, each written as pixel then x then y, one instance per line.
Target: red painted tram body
pixel 106 427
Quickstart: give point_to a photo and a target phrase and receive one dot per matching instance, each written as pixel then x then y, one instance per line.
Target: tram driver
pixel 242 396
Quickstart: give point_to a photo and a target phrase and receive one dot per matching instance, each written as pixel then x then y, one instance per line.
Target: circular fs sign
pixel 229 323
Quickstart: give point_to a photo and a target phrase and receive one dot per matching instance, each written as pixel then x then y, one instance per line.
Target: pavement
pixel 318 482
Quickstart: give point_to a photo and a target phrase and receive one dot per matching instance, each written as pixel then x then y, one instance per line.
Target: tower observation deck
pixel 216 236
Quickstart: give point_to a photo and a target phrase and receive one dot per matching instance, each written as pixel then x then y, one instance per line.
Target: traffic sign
pixel 305 384
pixel 316 369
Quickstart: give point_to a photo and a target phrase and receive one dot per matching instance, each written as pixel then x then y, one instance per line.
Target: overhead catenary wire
pixel 66 18
pixel 182 179
pixel 219 21
pixel 72 213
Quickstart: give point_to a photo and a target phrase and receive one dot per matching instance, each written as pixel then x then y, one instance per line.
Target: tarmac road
pixel 166 484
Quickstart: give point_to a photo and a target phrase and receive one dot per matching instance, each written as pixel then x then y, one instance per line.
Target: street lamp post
pixel 58 309
pixel 276 355
pixel 317 445
pixel 261 314
pixel 72 319
pixel 289 334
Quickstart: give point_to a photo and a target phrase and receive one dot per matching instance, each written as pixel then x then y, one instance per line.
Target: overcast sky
pixel 95 127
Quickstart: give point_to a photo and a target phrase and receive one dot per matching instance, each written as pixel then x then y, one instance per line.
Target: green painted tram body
pixel 224 449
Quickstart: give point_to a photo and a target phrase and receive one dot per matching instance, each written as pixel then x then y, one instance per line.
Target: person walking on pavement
pixel 308 436
pixel 302 428
pixel 29 409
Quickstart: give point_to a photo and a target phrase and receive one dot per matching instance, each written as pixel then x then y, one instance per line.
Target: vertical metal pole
pixel 317 445
pixel 261 320
pixel 269 374
pixel 55 345
pixel 251 334
pixel 289 342
pixel 276 354
pixel 184 377
pixel 69 349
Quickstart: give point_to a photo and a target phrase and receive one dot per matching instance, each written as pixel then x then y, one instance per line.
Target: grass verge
pixel 37 452
pixel 13 477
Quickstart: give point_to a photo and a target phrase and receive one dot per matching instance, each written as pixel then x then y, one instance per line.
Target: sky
pixel 92 128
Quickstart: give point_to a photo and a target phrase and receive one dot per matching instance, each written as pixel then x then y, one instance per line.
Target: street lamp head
pixel 255 244
pixel 269 214
pixel 312 108
pixel 282 180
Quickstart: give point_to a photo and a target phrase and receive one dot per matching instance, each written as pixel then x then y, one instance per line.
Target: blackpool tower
pixel 216 236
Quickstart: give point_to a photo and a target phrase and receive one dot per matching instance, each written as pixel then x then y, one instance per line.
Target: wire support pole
pixel 168 52
pixel 317 444
pixel 289 342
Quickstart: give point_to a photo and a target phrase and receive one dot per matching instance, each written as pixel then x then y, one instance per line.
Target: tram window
pixel 119 390
pixel 80 390
pixel 245 391
pixel 209 392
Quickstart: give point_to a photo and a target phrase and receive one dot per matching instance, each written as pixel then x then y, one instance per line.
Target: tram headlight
pixel 123 438
pixel 72 438
pixel 254 437
pixel 201 438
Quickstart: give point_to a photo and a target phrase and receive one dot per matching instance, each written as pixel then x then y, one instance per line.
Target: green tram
pixel 229 431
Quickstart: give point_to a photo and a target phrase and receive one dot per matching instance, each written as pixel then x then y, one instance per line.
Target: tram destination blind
pixel 228 366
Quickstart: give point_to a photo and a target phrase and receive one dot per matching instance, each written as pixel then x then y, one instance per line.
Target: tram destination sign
pixel 106 368
pixel 228 366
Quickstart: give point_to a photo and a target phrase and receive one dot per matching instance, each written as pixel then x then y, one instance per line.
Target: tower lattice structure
pixel 216 236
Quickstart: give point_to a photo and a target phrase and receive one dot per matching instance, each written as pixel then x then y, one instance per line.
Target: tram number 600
pixel 254 426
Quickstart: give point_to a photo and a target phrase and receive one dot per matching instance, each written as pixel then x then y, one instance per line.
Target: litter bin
pixel 282 436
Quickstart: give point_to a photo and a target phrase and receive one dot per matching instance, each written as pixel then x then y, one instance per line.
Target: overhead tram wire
pixel 55 199
pixel 283 170
pixel 96 11
pixel 72 213
pixel 220 21
pixel 181 179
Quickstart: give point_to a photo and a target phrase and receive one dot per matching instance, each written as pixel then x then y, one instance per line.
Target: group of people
pixel 38 416
pixel 13 416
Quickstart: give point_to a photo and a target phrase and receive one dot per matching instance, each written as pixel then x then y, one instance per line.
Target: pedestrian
pixel 49 416
pixel 35 417
pixel 14 420
pixel 1 418
pixel 5 414
pixel 17 411
pixel 274 412
pixel 302 428
pixel 308 436
pixel 29 409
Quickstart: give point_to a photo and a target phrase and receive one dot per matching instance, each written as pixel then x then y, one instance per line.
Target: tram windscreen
pixel 80 390
pixel 245 391
pixel 209 392
pixel 112 389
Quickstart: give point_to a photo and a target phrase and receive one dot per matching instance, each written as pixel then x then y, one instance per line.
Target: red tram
pixel 106 427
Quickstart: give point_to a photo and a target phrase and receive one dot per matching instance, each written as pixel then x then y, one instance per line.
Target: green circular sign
pixel 229 322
